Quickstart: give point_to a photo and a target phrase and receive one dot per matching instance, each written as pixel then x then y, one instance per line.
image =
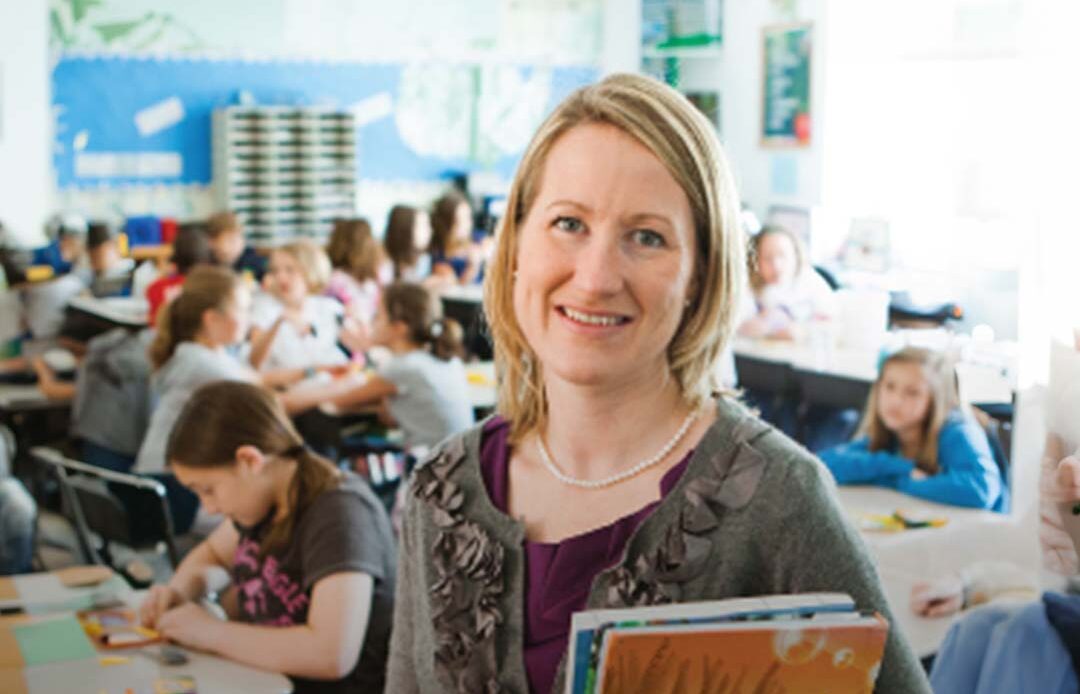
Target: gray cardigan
pixel 753 514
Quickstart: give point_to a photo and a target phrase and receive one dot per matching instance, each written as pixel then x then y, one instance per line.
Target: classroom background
pixel 921 154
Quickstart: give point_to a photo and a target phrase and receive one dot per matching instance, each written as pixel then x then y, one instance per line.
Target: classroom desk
pixel 128 312
pixel 212 675
pixel 907 557
pixel 842 377
pixel 481 383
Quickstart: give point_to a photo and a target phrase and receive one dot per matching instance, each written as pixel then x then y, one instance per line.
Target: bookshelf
pixel 287 172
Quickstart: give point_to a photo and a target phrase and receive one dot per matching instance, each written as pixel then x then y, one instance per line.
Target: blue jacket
pixel 967 473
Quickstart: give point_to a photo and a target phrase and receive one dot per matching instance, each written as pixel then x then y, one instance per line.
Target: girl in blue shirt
pixel 916 438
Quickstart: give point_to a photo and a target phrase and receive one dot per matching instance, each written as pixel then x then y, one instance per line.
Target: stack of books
pixel 809 643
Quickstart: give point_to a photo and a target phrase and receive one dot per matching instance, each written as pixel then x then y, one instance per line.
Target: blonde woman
pixel 613 475
pixel 917 439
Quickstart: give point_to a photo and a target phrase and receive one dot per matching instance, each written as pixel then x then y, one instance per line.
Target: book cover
pixel 840 654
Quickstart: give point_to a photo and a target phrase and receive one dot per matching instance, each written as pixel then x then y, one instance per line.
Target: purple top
pixel 558 575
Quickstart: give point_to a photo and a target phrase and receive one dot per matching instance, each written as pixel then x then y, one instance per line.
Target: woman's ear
pixel 250 459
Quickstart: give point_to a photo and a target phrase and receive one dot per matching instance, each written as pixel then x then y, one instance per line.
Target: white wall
pixel 25 119
pixel 741 102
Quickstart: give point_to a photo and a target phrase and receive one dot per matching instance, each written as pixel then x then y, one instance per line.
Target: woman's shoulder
pixel 762 463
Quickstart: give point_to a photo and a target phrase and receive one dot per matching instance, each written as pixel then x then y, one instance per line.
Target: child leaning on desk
pixel 308 549
pixel 916 438
pixel 423 384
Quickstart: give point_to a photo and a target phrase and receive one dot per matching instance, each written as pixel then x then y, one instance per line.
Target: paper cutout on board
pixel 164 114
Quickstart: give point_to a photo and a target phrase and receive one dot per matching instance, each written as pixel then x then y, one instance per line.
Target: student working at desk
pixel 916 438
pixel 423 384
pixel 308 549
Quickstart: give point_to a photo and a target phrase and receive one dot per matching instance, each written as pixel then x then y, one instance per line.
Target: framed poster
pixel 785 113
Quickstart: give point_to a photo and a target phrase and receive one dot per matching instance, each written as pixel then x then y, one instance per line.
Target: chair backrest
pixel 93 507
pixel 999 436
pixel 829 277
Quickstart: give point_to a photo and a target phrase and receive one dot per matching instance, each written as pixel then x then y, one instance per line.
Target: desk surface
pixel 907 557
pixel 22 398
pixel 473 293
pixel 481 382
pixel 979 383
pixel 212 675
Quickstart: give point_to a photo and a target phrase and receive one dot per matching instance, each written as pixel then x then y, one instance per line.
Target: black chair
pixel 470 314
pixel 999 436
pixel 829 277
pixel 100 519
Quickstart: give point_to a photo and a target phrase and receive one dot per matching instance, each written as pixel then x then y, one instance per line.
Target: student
pixel 294 325
pixel 354 254
pixel 112 273
pixel 308 549
pixel 916 438
pixel 190 248
pixel 408 235
pixel 68 245
pixel 785 291
pixel 454 254
pixel 226 238
pixel 18 514
pixel 424 384
pixel 190 349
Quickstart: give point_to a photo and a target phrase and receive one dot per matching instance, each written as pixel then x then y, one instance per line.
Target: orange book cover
pixel 787 657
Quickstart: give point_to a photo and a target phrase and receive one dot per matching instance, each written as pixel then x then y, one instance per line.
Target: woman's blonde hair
pixel 206 287
pixel 801 262
pixel 940 374
pixel 314 264
pixel 670 127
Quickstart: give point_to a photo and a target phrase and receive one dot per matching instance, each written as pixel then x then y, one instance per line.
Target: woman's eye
pixel 649 238
pixel 571 224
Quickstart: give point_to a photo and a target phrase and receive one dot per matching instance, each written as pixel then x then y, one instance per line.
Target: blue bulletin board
pixel 118 109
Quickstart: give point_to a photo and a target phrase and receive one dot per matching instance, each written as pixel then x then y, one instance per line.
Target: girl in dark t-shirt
pixel 308 549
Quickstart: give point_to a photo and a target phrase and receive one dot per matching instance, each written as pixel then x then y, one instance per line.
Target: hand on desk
pixel 159 600
pixel 938 599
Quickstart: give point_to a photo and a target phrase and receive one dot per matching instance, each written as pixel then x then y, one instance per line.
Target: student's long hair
pixel 443 217
pixel 801 262
pixel 399 238
pixel 352 248
pixel 416 307
pixel 206 287
pixel 940 374
pixel 221 417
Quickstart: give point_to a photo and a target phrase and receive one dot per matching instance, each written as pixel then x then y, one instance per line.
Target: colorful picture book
pixel 792 643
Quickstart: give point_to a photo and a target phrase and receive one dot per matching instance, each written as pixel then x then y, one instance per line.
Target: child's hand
pixel 336 370
pixel 158 601
pixel 355 335
pixel 1062 485
pixel 190 625
pixel 938 599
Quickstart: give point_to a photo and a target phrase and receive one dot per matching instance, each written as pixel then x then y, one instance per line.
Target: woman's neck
pixel 593 432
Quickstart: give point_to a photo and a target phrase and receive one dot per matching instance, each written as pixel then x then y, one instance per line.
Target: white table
pixel 21 398
pixel 472 293
pixel 907 557
pixel 212 675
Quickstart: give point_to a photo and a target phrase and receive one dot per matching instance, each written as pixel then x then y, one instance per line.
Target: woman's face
pixel 421 231
pixel 904 397
pixel 777 261
pixel 605 260
pixel 285 279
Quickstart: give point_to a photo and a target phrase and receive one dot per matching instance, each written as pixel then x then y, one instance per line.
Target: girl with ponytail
pixel 308 549
pixel 423 384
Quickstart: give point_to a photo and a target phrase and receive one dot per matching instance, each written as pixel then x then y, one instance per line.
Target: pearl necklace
pixel 618 477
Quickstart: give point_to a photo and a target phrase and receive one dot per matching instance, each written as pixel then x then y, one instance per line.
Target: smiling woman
pixel 613 474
